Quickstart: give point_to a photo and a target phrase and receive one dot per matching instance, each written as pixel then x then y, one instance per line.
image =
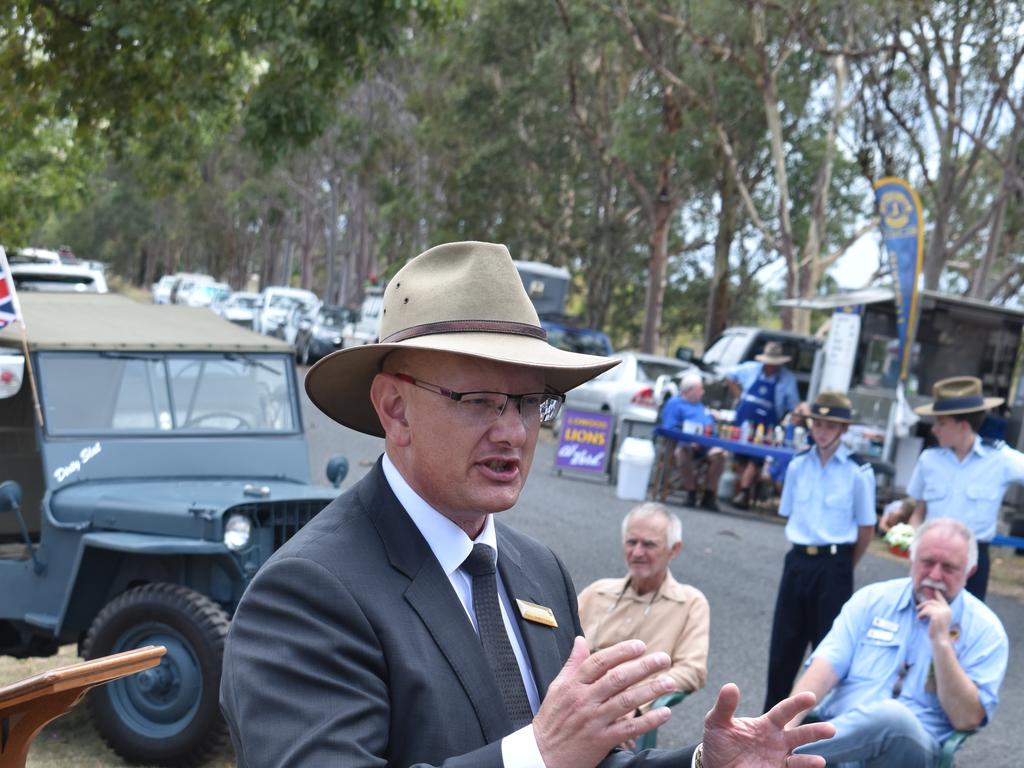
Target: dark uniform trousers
pixel 813 590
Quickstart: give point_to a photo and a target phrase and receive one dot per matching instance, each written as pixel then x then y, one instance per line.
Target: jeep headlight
pixel 237 531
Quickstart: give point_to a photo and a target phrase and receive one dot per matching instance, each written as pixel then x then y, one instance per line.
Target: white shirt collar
pixel 449 543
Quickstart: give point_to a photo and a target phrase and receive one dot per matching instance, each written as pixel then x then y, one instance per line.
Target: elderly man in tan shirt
pixel 648 603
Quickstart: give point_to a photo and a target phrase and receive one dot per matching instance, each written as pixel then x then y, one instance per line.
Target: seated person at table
pixel 910 660
pixel 687 407
pixel 648 604
pixel 766 391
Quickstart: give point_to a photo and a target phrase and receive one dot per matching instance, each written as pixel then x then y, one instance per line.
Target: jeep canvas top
pixel 163 460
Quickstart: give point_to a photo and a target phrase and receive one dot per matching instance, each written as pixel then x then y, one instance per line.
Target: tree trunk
pixel 657 265
pixel 718 295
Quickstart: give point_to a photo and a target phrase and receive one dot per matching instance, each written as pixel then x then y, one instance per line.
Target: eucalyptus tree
pixel 795 60
pixel 945 108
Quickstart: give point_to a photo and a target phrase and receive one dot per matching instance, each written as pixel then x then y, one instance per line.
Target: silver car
pixel 635 389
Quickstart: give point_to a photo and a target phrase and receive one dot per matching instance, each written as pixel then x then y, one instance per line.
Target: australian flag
pixel 9 310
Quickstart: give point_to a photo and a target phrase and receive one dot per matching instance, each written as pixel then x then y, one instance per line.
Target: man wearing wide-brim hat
pixel 766 391
pixel 404 625
pixel 965 476
pixel 828 498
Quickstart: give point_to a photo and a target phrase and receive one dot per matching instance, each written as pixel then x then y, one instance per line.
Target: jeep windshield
pixel 132 393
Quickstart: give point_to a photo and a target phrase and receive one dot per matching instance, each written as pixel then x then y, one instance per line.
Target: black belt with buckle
pixel 823 549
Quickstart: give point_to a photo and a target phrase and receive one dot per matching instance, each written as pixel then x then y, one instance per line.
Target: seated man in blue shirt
pixel 965 476
pixel 909 661
pixel 680 409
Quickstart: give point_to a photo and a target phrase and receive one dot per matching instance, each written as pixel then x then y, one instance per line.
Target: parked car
pixel 81 277
pixel 185 283
pixel 208 294
pixel 742 343
pixel 161 463
pixel 277 302
pixel 572 338
pixel 162 289
pixel 320 336
pixel 240 308
pixel 629 390
pixel 365 327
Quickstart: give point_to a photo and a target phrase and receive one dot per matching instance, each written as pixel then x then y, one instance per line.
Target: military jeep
pixel 159 459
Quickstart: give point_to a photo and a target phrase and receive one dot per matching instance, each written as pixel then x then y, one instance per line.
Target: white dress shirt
pixel 451 546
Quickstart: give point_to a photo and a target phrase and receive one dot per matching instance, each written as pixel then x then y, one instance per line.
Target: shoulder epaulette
pixel 992 442
pixel 803 451
pixel 859 460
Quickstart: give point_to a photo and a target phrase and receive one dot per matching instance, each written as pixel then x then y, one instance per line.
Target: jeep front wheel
pixel 167 715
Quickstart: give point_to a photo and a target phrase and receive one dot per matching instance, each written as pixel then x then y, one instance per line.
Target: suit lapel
pixel 431 596
pixel 541 641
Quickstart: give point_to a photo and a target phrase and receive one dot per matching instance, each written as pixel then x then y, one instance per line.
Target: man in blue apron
pixel 766 391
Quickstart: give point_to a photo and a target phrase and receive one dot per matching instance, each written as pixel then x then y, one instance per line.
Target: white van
pixel 366 327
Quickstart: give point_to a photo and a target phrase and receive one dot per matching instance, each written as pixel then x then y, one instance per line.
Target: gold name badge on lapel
pixel 539 614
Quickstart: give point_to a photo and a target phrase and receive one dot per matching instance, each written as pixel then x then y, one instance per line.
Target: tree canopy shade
pixel 136 68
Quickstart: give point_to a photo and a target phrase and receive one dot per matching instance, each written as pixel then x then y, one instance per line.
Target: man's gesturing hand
pixel 581 719
pixel 760 742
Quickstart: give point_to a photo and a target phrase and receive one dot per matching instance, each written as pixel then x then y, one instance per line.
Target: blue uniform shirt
pixel 878 631
pixel 786 395
pixel 678 409
pixel 825 505
pixel 970 490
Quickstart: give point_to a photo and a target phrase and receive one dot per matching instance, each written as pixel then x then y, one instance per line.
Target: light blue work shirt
pixel 786 395
pixel 826 504
pixel 678 409
pixel 878 631
pixel 971 490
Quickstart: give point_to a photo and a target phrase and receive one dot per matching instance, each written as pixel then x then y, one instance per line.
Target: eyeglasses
pixel 487 407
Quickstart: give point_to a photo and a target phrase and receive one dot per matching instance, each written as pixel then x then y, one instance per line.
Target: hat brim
pixel 339 384
pixel 989 402
pixel 833 419
pixel 771 360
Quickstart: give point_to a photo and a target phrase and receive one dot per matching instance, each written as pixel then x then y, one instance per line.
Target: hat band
pixel 956 403
pixel 467 326
pixel 830 411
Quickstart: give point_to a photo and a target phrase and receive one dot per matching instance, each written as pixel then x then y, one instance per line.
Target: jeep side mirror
pixel 337 470
pixel 10 496
pixel 12 373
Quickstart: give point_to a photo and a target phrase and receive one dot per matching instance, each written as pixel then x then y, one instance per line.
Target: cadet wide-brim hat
pixel 464 298
pixel 832 406
pixel 773 354
pixel 957 394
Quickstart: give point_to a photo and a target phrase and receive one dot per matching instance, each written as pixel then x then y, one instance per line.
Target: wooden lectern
pixel 29 704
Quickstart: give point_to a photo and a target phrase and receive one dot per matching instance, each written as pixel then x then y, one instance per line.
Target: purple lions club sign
pixel 585 442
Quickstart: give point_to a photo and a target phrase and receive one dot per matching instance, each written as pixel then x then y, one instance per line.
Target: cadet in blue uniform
pixel 767 391
pixel 829 498
pixel 966 476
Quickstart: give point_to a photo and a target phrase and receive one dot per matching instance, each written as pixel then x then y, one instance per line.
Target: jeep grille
pixel 281 519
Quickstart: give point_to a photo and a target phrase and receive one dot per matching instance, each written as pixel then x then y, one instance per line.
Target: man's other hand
pixel 760 742
pixel 583 714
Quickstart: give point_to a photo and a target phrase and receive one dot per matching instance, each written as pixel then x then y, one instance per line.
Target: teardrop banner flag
pixel 902 226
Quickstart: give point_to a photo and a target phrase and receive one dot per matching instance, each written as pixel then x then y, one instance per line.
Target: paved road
pixel 736 561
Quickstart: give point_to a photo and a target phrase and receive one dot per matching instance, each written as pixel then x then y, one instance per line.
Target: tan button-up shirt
pixel 674 619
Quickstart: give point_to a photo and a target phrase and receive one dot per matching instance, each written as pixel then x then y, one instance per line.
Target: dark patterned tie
pixel 494 638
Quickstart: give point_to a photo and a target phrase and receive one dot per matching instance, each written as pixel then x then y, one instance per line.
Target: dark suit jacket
pixel 350 647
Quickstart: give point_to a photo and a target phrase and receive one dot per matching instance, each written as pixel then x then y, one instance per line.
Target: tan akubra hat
pixel 465 298
pixel 773 354
pixel 958 394
pixel 832 406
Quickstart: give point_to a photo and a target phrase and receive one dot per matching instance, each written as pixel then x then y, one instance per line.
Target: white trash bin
pixel 636 460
